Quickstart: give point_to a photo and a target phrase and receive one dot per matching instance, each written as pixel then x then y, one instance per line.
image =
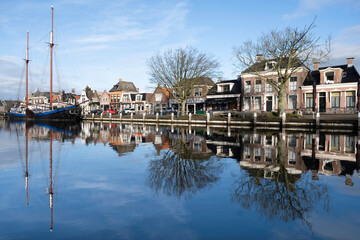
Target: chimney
pixel 316 65
pixel 73 91
pixel 120 79
pixel 259 57
pixel 350 61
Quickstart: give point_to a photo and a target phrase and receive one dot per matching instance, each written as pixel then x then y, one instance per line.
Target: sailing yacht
pixel 68 113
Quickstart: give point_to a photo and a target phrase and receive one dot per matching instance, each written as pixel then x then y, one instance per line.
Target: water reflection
pixel 279 175
pixel 185 168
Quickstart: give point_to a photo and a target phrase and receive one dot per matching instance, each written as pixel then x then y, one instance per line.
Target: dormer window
pixel 329 77
pixel 197 92
pixel 138 97
pixel 270 65
pixel 226 88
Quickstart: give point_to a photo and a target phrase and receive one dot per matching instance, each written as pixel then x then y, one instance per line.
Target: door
pixel 322 102
pixel 269 104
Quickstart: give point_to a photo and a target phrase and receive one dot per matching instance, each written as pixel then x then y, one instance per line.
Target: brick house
pixel 197 101
pixel 224 94
pixel 336 88
pixel 120 95
pixel 261 96
pixel 140 102
pixel 159 99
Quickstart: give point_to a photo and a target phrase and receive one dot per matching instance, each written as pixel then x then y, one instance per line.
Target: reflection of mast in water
pixel 50 187
pixel 26 165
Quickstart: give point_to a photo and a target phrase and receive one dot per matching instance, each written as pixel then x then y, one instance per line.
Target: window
pixel 226 88
pixel 335 99
pixel 257 154
pixel 257 103
pixel 350 99
pixel 126 98
pixel 258 86
pixel 329 77
pixel 118 97
pixel 246 152
pixel 158 97
pixel 335 143
pixel 309 100
pixel 247 103
pixel 349 144
pixel 268 154
pixel 308 141
pixel 291 157
pixel 138 97
pixel 291 141
pixel 292 102
pixel 269 88
pixel 247 86
pixel 197 92
pixel 293 83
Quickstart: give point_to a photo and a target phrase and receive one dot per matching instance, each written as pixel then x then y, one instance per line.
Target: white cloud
pixel 347 44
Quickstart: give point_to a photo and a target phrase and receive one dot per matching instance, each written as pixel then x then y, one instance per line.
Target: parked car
pixel 112 111
pixel 96 111
pixel 223 112
pixel 129 110
pixel 168 110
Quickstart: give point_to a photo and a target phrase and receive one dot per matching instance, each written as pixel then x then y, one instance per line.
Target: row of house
pixel 335 89
pixel 329 89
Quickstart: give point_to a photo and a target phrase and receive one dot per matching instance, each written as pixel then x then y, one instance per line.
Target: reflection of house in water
pixel 222 145
pixel 334 154
pixel 261 150
pixel 327 154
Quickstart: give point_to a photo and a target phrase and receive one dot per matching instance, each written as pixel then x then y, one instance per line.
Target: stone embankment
pixel 329 123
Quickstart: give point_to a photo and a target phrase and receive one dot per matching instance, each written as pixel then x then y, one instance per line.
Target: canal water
pixel 116 181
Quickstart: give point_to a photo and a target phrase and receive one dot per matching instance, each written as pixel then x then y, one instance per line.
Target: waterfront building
pixel 225 93
pixel 120 95
pixel 258 95
pixel 89 100
pixel 159 99
pixel 335 88
pixel 140 102
pixel 104 100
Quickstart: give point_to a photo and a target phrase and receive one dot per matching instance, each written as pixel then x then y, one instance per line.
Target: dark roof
pixel 235 90
pixel 124 86
pixel 260 66
pixel 67 96
pixel 350 74
pixel 204 81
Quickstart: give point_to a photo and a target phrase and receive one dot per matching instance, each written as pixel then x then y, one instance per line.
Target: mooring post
pixel 144 116
pixel 120 116
pixel 358 120
pixel 189 117
pixel 93 116
pixel 131 116
pixel 172 117
pixel 110 116
pixel 317 120
pixel 157 116
pixel 207 118
pixel 229 118
pixel 101 116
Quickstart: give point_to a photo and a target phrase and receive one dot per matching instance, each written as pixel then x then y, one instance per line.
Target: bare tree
pixel 179 69
pixel 286 51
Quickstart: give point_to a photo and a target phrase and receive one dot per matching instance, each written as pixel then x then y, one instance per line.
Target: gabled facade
pixel 117 100
pixel 335 88
pixel 159 99
pixel 197 102
pixel 140 102
pixel 104 100
pixel 257 95
pixel 225 93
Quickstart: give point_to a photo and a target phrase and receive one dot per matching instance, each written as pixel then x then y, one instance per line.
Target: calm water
pixel 112 181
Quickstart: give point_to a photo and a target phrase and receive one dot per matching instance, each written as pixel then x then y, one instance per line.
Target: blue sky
pixel 99 42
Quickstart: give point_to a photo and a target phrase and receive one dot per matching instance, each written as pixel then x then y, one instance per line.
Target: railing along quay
pixel 269 123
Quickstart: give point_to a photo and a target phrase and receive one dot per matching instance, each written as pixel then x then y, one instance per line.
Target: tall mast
pixel 51 53
pixel 27 68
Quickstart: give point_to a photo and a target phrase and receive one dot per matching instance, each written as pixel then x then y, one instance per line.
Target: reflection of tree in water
pixel 181 172
pixel 282 195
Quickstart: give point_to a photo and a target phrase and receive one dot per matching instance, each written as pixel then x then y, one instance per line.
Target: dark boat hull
pixel 72 113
